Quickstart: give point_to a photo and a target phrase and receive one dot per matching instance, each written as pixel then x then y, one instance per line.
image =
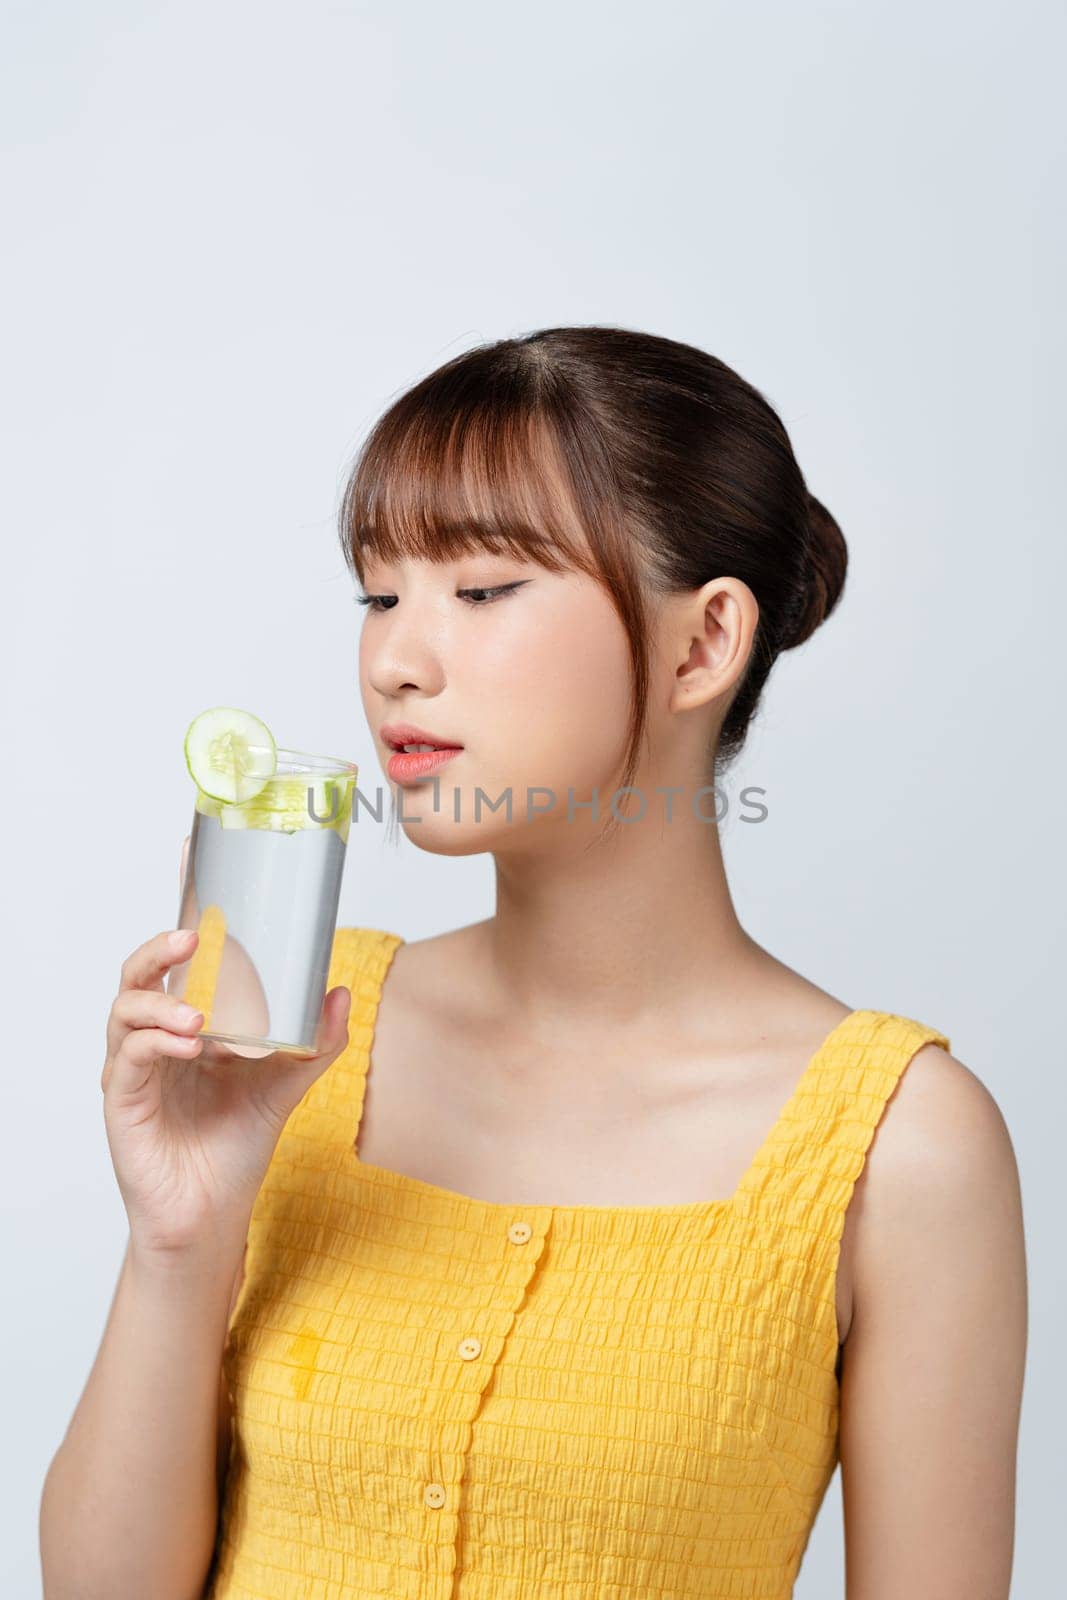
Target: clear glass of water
pixel 261 886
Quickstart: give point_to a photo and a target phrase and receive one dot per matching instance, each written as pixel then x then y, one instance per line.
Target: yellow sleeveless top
pixel 445 1398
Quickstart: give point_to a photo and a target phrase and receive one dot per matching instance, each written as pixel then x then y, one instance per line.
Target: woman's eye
pixel 473 597
pixel 501 588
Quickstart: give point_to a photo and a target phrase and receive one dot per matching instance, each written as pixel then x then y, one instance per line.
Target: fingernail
pixel 186 1013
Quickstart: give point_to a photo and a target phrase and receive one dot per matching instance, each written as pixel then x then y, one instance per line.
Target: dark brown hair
pixel 642 461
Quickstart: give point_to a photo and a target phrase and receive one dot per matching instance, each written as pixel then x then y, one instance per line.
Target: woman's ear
pixel 713 631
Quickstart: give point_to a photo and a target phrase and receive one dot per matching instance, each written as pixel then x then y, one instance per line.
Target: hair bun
pixel 825 565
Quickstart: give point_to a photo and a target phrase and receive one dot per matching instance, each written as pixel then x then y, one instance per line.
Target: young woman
pixel 579 1285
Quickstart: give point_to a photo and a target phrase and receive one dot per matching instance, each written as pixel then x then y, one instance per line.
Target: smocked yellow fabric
pixel 445 1398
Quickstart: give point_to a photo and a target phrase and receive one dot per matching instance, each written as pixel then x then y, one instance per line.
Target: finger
pixel 144 1046
pixel 149 1008
pixel 129 1069
pixel 332 1033
pixel 284 1078
pixel 144 967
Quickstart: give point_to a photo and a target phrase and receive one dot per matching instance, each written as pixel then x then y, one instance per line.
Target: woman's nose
pixel 404 657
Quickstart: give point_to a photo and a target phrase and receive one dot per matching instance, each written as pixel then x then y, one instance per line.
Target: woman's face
pixel 533 681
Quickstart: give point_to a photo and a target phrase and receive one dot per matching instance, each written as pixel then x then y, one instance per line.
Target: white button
pixel 434 1495
pixel 519 1232
pixel 469 1348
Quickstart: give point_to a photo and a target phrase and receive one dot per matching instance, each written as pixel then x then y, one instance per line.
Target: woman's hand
pixel 191 1125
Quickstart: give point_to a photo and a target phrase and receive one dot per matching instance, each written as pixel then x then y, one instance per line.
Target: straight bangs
pixel 442 476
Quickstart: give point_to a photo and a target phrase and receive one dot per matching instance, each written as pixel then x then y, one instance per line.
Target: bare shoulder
pixel 942 1140
pixel 940 1170
pixel 934 1358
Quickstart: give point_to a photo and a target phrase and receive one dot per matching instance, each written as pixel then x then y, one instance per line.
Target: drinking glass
pixel 261 886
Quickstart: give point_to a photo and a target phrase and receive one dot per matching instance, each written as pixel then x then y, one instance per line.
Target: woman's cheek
pixel 569 743
pixel 568 709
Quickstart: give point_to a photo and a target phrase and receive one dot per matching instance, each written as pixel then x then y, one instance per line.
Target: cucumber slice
pixel 231 754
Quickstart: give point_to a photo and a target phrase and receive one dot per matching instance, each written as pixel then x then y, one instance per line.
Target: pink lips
pixel 402 767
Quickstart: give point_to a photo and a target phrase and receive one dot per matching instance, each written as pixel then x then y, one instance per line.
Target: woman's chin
pixel 450 818
pixel 440 836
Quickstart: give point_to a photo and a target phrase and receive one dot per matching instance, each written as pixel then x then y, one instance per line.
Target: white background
pixel 233 233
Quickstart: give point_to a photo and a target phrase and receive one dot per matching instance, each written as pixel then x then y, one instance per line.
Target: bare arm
pixel 933 1363
pixel 130 1502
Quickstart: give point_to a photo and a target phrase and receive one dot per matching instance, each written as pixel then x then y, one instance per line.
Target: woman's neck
pixel 616 933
